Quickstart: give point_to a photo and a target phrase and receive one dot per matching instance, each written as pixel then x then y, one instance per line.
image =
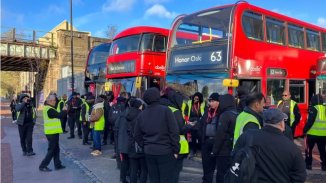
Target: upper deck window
pixel 125 44
pixel 153 42
pixel 99 54
pixel 275 31
pixel 252 24
pixel 203 27
pixel 295 36
pixel 323 41
pixel 313 40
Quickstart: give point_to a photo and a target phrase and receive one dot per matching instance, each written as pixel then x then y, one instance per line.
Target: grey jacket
pixel 21 109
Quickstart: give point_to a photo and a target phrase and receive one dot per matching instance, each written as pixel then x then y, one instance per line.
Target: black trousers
pixel 26 136
pixel 208 161
pixel 64 122
pixel 138 168
pixel 311 140
pixel 161 168
pixel 179 165
pixel 53 152
pixel 194 144
pixel 106 132
pixel 72 120
pixel 124 167
pixel 223 164
pixel 86 130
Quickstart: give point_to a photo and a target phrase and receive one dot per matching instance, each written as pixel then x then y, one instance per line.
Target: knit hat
pixel 214 96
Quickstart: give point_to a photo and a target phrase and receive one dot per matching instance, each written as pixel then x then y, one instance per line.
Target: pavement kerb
pixel 82 167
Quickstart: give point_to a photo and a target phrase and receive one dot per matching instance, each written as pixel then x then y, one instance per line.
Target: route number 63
pixel 216 56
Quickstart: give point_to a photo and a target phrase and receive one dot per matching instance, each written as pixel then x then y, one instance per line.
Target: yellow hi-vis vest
pixel 51 125
pixel 99 124
pixel 183 108
pixel 243 119
pixel 292 104
pixel 202 107
pixel 184 146
pixel 58 107
pixel 319 126
pixel 87 112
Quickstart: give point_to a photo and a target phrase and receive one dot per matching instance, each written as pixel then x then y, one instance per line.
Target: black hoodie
pixel 156 128
pixel 226 124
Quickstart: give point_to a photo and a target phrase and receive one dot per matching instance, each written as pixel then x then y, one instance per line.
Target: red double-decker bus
pixel 321 75
pixel 95 72
pixel 262 50
pixel 137 60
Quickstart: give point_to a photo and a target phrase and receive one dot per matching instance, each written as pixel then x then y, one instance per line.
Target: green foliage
pixel 9 83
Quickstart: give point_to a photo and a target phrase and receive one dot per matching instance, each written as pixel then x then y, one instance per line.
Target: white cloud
pixel 321 22
pixel 83 20
pixel 118 5
pixel 155 1
pixel 160 11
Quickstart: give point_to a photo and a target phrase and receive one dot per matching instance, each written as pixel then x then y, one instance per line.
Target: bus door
pixel 154 82
pixel 253 85
pixel 311 89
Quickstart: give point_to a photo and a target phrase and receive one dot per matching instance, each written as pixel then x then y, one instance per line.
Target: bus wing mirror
pixel 231 82
pixel 108 86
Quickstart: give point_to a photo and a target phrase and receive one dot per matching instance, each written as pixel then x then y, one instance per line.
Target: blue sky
pixel 96 15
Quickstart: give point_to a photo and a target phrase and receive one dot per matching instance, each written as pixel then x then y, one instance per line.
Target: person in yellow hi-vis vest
pixel 175 101
pixel 52 129
pixel 315 129
pixel 84 117
pixel 97 121
pixel 290 108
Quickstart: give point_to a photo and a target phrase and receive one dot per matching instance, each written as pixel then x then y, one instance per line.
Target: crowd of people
pixel 152 136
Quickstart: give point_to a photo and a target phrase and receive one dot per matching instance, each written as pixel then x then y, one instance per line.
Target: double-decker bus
pixel 95 71
pixel 321 76
pixel 137 60
pixel 254 47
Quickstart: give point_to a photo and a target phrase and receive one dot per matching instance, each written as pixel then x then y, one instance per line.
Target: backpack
pixel 115 112
pixel 243 166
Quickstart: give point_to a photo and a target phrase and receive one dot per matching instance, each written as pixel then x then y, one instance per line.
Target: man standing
pixel 74 106
pixel 52 129
pixel 157 132
pixel 315 129
pixel 290 108
pixel 26 120
pixel 279 159
pixel 63 119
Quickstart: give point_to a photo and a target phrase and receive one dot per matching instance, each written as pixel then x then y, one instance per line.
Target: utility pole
pixel 72 51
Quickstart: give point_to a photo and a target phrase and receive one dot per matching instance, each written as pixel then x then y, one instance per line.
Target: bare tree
pixel 111 31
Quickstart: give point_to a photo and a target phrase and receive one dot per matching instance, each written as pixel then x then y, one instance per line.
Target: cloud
pixel 160 11
pixel 155 1
pixel 321 21
pixel 83 20
pixel 118 5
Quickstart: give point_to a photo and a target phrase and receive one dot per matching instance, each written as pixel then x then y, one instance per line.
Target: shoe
pixel 308 167
pixel 60 167
pixel 30 154
pixel 24 153
pixel 45 169
pixel 96 153
pixel 65 131
pixel 71 137
pixel 14 121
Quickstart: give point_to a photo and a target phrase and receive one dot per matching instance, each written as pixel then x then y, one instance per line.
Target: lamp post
pixel 72 50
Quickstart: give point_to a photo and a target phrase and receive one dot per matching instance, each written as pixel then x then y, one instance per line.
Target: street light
pixel 71 50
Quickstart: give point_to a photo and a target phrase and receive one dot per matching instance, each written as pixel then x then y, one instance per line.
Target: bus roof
pixel 141 29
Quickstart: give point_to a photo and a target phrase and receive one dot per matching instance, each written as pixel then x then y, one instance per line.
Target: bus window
pixel 275 31
pixel 125 44
pixel 323 41
pixel 313 40
pixel 295 36
pixel 275 88
pixel 252 85
pixel 297 90
pixel 253 25
pixel 147 42
pixel 160 43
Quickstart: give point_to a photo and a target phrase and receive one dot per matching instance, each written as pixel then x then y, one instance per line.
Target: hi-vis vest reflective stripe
pixel 202 108
pixel 58 107
pixel 87 112
pixel 319 126
pixel 183 108
pixel 51 125
pixel 243 119
pixel 184 146
pixel 292 104
pixel 99 125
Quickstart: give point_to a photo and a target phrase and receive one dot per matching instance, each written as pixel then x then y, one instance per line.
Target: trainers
pixel 30 154
pixel 45 169
pixel 60 167
pixel 94 152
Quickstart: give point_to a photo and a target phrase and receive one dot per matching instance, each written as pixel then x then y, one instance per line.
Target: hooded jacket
pixel 26 111
pixel 226 124
pixel 156 129
pixel 131 119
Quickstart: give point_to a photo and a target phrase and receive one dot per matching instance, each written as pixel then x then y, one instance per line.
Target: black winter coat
pixel 226 124
pixel 279 159
pixel 131 118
